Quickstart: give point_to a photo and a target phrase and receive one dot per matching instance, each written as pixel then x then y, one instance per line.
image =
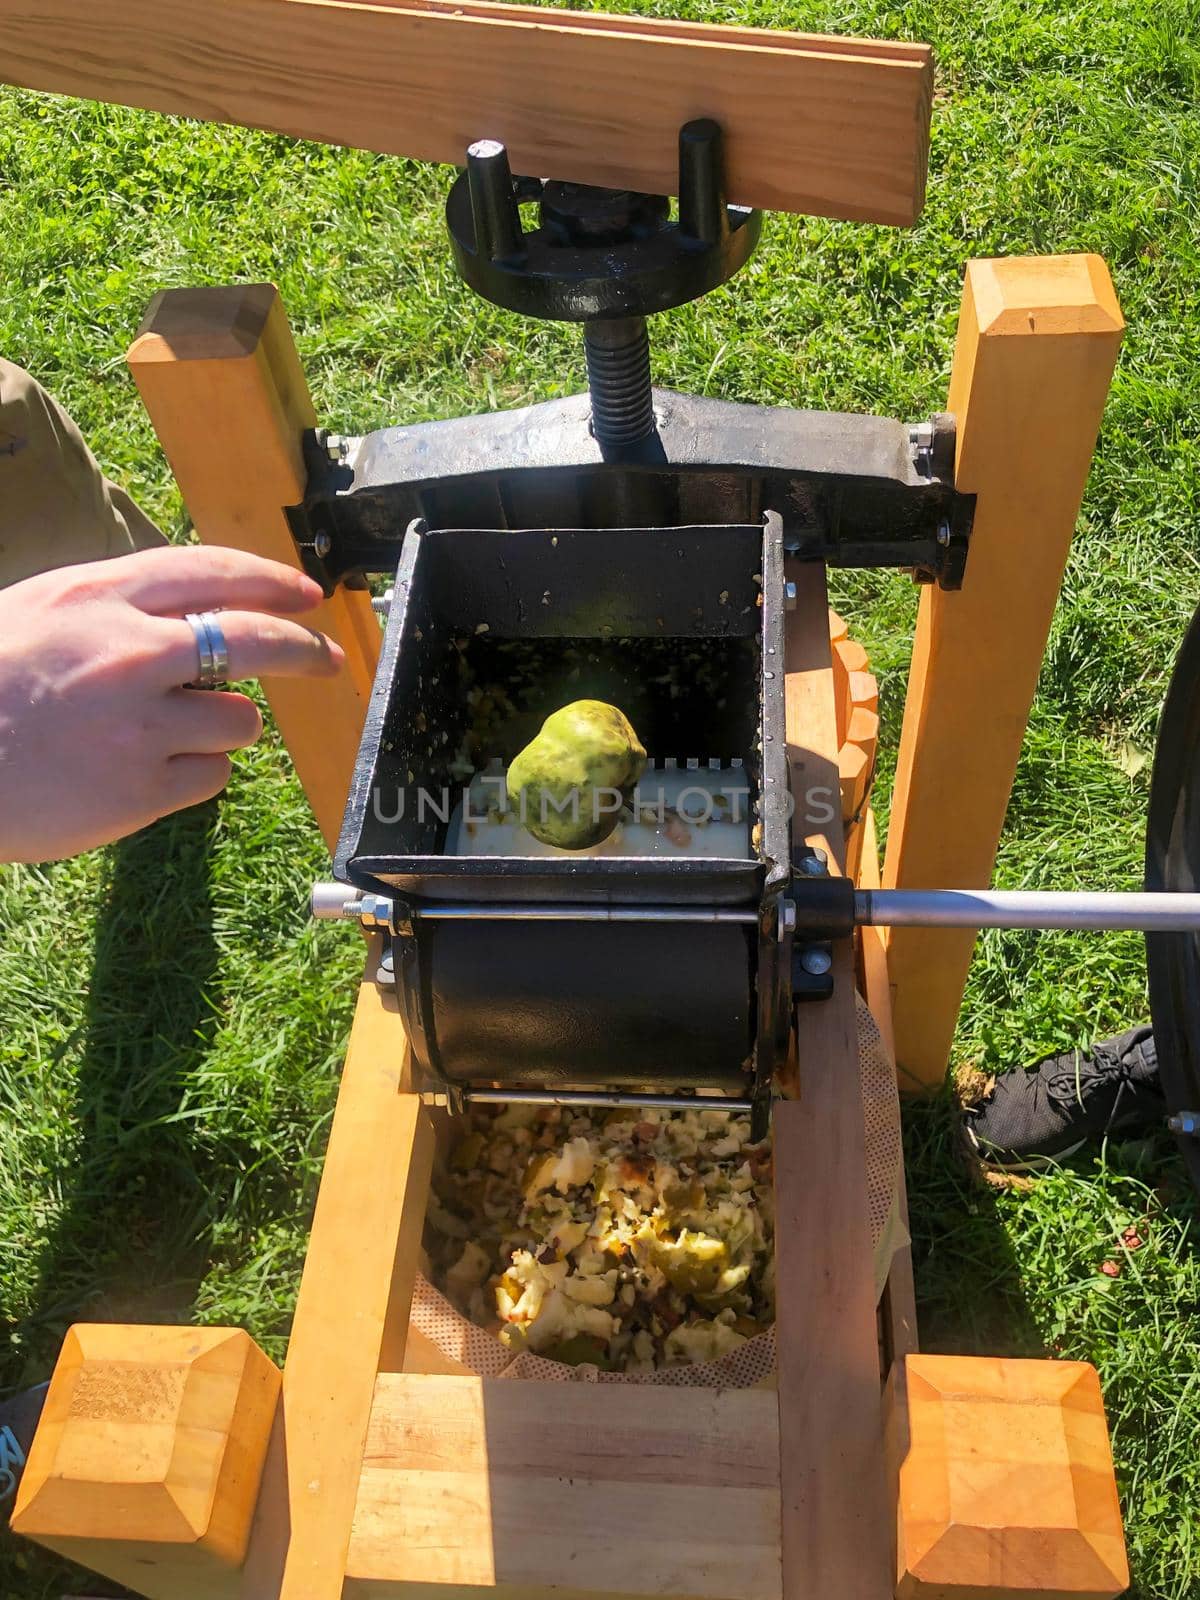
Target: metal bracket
pixel 852 491
pixel 598 252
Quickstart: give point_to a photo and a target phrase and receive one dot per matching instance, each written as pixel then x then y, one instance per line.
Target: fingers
pixel 195 723
pixel 259 646
pixel 167 583
pixel 189 779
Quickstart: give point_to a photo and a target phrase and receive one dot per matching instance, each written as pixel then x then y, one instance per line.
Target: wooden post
pixel 1037 341
pixel 147 1462
pixel 353 1307
pixel 835 1520
pixel 856 703
pixel 220 377
pixel 1004 1481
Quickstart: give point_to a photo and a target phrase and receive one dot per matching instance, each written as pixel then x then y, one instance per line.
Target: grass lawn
pixel 171 1024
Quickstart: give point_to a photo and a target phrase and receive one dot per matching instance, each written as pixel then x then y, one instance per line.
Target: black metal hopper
pixel 682 627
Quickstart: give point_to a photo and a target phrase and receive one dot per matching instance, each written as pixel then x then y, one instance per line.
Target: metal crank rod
pixel 1072 910
pixel 610 1102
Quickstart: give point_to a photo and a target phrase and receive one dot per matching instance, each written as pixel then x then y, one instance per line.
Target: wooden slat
pixel 874 982
pixel 836 1524
pixel 351 1314
pixel 827 127
pixel 221 380
pixel 856 767
pixel 1037 341
pixel 864 691
pixel 899 1308
pixel 611 1489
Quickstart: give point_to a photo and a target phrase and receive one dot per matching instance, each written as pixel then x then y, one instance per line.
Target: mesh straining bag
pixel 751 1363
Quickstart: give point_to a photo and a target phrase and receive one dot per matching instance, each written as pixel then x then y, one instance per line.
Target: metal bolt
pixel 1186 1122
pixel 787 918
pixel 920 443
pixel 381 604
pixel 331 900
pixel 943 534
pixel 815 961
pixel 376 911
pixel 789 595
pixel 322 544
pixel 337 447
pixel 334 900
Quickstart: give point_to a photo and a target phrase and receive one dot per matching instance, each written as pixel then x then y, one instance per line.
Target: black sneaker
pixel 1032 1119
pixel 19 1418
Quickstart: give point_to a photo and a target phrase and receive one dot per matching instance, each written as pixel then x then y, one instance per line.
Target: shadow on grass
pixel 970 1299
pixel 130 1244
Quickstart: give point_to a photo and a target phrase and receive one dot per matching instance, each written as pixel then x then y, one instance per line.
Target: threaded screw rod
pixel 618 366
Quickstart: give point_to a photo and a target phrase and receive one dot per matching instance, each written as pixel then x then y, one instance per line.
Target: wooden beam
pixel 609 1489
pixel 836 1525
pixel 218 371
pixel 899 1307
pixel 830 127
pixel 1037 341
pixel 352 1310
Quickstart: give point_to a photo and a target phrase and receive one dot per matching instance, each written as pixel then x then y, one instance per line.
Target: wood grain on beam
pixel 829 127
pixel 218 372
pixel 835 1524
pixel 533 1487
pixel 1037 341
pixel 352 1310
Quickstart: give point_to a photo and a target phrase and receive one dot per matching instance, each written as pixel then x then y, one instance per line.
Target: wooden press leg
pixel 835 1522
pixel 221 380
pixel 352 1311
pixel 1037 341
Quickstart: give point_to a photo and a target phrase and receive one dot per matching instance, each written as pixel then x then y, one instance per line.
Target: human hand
pixel 98 735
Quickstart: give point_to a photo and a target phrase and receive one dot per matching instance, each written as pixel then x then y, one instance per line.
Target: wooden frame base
pixel 378 1480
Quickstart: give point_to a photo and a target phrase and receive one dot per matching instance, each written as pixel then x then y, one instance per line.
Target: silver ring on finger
pixel 214 651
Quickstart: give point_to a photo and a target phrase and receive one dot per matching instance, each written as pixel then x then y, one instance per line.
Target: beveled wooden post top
pixel 1005 1480
pixel 151 1434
